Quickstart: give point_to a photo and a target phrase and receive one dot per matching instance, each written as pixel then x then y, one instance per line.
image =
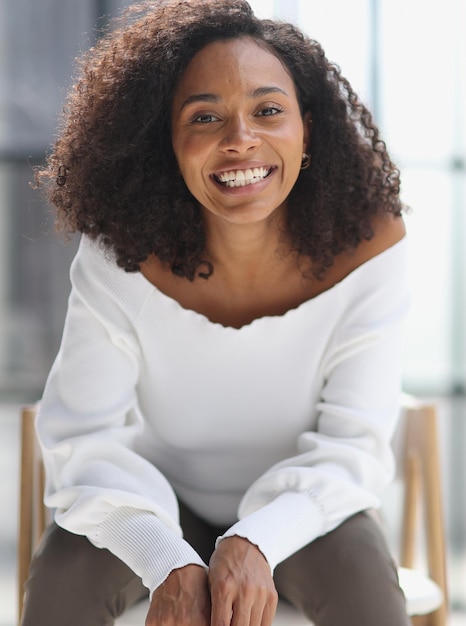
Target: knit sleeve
pixel 343 465
pixel 89 419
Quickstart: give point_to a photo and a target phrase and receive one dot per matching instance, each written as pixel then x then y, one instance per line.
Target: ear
pixel 307 128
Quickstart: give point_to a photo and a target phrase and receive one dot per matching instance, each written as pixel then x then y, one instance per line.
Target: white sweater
pixel 280 429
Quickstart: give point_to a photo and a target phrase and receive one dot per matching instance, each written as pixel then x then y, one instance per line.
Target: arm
pixel 87 424
pixel 342 465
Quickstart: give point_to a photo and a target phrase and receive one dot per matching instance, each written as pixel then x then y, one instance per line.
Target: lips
pixel 242 178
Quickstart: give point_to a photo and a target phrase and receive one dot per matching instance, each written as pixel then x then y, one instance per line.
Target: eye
pixel 205 118
pixel 269 111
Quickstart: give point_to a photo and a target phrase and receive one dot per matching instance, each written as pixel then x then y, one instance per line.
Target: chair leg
pixel 434 516
pixel 26 501
pixel 423 474
pixel 433 500
pixel 422 620
pixel 41 515
pixel 411 507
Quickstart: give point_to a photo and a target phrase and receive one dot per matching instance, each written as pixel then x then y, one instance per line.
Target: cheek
pixel 292 160
pixel 190 154
pixel 292 140
pixel 294 152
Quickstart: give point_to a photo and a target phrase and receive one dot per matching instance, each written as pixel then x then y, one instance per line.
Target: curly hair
pixel 113 174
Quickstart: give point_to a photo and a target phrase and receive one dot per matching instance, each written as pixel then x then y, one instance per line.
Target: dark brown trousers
pixel 346 578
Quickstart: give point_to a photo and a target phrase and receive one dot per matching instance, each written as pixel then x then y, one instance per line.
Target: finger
pixel 259 614
pixel 243 616
pixel 222 611
pixel 268 614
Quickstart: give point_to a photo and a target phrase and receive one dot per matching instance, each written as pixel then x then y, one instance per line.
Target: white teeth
pixel 241 178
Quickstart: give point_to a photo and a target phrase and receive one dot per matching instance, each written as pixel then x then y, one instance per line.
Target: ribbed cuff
pixel 282 527
pixel 145 544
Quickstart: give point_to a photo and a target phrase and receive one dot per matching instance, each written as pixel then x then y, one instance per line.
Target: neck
pixel 245 254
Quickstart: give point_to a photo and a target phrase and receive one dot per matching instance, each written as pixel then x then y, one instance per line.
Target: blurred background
pixel 406 58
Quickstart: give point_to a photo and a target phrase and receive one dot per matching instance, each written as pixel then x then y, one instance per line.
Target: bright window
pixel 407 60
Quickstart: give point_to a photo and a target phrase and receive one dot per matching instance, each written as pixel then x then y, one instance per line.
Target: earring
pixel 306 161
pixel 61 178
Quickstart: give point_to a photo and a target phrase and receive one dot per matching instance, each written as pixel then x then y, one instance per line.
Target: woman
pixel 217 422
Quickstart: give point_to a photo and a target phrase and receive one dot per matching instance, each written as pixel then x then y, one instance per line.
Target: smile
pixel 242 178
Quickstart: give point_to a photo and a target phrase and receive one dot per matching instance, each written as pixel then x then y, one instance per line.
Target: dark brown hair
pixel 113 175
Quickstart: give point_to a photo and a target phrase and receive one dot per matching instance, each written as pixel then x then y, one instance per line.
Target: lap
pixel 346 576
pixel 73 582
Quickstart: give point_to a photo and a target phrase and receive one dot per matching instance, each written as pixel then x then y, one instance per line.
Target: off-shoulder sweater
pixel 279 430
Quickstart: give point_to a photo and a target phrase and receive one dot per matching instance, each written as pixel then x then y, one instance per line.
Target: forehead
pixel 241 63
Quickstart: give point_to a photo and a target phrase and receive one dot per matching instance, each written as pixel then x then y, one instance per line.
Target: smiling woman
pixel 219 416
pixel 116 133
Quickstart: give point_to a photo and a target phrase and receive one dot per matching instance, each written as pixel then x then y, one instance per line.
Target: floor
pixel 9 464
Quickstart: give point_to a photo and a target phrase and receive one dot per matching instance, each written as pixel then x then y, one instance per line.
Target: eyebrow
pixel 211 97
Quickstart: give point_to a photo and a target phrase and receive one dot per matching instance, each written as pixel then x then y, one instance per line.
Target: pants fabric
pixel 345 578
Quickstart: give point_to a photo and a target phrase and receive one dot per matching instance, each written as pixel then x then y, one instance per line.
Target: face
pixel 237 131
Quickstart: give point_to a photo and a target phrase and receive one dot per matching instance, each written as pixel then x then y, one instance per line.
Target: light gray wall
pixel 39 40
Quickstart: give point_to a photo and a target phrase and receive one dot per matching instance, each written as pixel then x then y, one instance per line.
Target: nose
pixel 240 136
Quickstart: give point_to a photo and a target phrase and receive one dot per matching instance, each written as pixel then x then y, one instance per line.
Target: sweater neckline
pixel 202 319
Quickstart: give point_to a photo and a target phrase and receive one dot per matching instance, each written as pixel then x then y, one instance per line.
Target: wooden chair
pixel 416 446
pixel 32 512
pixel 419 466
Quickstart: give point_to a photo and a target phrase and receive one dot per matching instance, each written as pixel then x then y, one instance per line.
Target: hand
pixel 242 591
pixel 182 600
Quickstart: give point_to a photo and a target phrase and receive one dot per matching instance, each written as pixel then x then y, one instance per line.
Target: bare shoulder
pixel 388 230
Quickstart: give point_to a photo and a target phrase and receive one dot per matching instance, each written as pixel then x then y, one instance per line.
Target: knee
pixel 359 540
pixel 337 573
pixel 72 581
pixel 62 556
